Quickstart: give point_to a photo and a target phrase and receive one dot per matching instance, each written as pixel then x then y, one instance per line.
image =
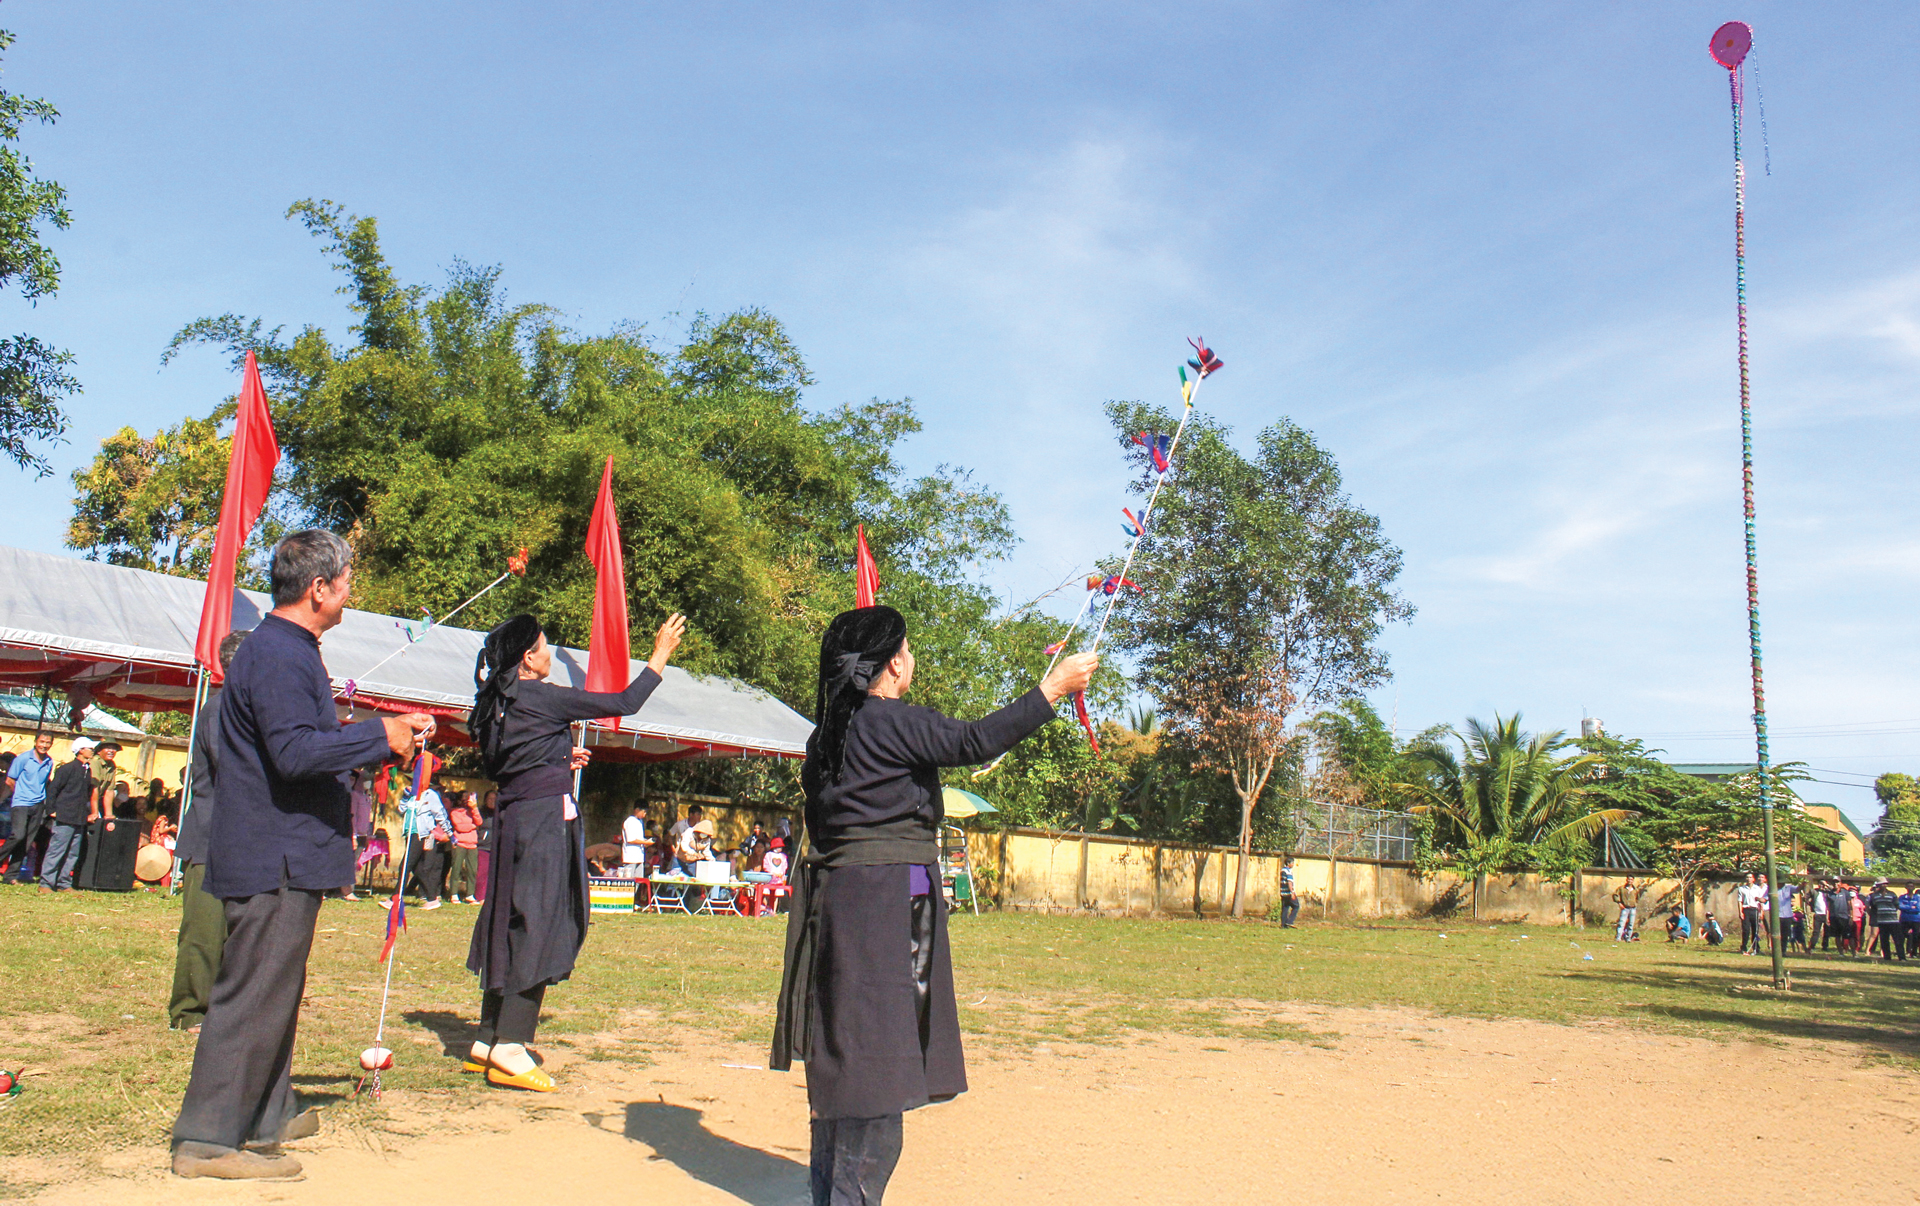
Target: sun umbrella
pixel 960 804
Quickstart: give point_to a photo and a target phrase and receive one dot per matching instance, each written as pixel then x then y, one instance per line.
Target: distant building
pixel 1853 845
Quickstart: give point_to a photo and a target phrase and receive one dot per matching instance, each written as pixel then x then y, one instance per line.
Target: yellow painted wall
pixel 1041 871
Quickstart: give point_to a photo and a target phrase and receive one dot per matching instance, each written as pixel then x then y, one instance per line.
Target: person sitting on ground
pixel 1679 929
pixel 1711 931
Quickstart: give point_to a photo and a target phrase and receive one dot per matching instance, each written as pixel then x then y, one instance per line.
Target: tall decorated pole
pixel 1729 48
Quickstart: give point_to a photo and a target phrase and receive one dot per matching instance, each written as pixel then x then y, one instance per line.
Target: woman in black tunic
pixel 535 916
pixel 866 998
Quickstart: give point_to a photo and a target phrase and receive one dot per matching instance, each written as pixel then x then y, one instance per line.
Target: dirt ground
pixel 1399 1107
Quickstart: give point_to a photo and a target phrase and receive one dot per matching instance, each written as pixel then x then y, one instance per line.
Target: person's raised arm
pixel 938 740
pixel 593 705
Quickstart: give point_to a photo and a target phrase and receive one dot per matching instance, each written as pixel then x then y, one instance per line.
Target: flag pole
pixel 186 789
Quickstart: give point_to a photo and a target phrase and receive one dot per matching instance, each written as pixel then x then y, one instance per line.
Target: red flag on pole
pixel 607 656
pixel 250 469
pixel 866 578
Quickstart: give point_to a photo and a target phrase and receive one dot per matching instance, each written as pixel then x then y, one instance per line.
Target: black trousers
pixel 853 1159
pixel 428 868
pixel 1749 930
pixel 241 1091
pixel 510 1017
pixel 26 827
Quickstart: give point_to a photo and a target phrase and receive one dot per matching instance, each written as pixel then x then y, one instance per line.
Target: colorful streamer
pixel 1160 450
pixel 1158 447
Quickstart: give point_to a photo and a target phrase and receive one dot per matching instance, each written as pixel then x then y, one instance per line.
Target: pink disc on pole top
pixel 1730 44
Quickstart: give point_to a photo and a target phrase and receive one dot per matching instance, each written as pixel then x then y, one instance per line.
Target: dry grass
pixel 87 979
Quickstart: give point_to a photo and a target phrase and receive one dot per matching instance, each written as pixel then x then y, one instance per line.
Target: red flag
pixel 249 476
pixel 607 656
pixel 866 577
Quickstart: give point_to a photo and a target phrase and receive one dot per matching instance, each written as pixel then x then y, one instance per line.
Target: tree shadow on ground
pixel 1854 1002
pixel 677 1135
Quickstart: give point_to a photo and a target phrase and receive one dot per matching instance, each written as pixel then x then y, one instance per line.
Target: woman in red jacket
pixel 464 816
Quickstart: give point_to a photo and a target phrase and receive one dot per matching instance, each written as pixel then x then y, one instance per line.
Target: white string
pixel 1152 498
pixel 1146 517
pixel 431 625
pixel 393 956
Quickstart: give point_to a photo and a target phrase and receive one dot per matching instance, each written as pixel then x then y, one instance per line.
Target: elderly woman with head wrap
pixel 866 1000
pixel 535 916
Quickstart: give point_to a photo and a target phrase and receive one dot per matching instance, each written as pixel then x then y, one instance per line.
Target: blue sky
pixel 1483 251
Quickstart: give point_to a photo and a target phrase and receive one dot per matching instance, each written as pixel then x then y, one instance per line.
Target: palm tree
pixel 1504 792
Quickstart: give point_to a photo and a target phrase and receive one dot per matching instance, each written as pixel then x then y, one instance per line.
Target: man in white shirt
pixel 633 841
pixel 1752 898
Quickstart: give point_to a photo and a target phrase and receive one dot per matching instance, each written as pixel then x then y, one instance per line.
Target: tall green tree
pixel 33 375
pixel 450 427
pixel 1897 837
pixel 1264 591
pixel 1507 799
pixel 153 502
pixel 1688 829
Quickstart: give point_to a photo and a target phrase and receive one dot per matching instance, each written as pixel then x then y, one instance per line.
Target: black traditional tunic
pixel 867 999
pixel 535 917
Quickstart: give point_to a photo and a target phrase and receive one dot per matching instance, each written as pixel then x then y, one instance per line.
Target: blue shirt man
pixel 28 778
pixel 30 773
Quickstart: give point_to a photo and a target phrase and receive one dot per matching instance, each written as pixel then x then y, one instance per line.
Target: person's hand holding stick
pixel 406 731
pixel 1069 675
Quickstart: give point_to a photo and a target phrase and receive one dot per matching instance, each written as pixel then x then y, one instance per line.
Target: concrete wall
pixel 1038 870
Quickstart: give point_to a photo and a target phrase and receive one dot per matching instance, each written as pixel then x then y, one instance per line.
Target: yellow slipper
pixel 533 1079
pixel 473 1065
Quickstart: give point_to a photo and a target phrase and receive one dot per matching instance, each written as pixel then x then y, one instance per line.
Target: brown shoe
pixel 206 1160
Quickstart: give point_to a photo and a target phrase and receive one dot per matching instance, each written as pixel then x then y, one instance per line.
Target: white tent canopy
pixel 125 637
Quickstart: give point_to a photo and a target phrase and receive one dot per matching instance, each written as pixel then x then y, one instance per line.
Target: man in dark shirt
pixel 280 839
pixel 203 918
pixel 69 800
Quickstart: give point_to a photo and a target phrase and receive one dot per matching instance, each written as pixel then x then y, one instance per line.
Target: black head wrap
pixel 496 672
pixel 856 648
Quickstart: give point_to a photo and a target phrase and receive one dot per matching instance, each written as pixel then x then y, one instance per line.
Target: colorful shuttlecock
pixel 1054 649
pixel 1208 363
pixel 1158 447
pixel 1133 525
pixel 517 564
